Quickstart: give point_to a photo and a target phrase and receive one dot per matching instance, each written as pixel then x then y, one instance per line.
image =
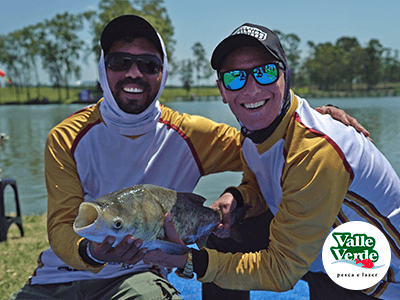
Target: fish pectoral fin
pixel 188 240
pixel 167 247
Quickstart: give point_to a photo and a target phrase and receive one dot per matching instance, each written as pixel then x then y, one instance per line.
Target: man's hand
pixel 127 251
pixel 160 258
pixel 343 117
pixel 226 203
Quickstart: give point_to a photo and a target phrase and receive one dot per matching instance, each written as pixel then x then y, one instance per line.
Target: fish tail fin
pixel 239 213
pixel 235 234
pixel 358 261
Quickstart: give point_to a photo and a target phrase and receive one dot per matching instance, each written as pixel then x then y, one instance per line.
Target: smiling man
pixel 255 106
pixel 310 172
pixel 135 89
pixel 126 139
pixel 313 173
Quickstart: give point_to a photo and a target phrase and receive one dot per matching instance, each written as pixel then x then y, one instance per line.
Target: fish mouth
pixel 87 215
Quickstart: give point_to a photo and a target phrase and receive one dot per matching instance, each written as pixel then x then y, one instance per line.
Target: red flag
pixel 3 74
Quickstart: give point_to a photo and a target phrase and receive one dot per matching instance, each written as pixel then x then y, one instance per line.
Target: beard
pixel 132 105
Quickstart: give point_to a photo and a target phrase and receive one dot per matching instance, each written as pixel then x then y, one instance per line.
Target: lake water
pixel 28 126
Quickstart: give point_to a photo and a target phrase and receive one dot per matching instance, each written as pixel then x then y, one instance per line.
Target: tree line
pixel 342 65
pixel 56 46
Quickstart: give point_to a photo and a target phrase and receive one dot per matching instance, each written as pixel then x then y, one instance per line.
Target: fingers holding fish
pixel 98 250
pixel 226 204
pixel 127 251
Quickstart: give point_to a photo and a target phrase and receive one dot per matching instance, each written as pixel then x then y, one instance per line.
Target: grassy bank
pixel 18 255
pixel 8 95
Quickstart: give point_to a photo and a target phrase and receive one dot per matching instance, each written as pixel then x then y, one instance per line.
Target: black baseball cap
pixel 128 25
pixel 249 35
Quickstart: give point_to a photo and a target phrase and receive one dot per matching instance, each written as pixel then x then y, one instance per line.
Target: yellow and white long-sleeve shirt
pixel 314 173
pixel 84 158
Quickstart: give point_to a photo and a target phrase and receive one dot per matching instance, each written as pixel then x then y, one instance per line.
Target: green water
pixel 28 126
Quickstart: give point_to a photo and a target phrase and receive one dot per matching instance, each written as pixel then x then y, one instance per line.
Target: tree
pixel 151 10
pixel 372 67
pixel 24 45
pixel 186 72
pixel 200 58
pixel 353 52
pixel 9 56
pixel 391 65
pixel 325 65
pixel 290 43
pixel 61 48
pixel 200 63
pixel 30 35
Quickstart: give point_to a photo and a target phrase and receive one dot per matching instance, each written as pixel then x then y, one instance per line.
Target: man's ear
pixel 222 90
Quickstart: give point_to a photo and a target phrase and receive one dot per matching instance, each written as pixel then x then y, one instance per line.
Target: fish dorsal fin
pixel 197 199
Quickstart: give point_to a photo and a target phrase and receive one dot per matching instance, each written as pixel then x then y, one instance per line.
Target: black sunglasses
pixel 120 61
pixel 265 74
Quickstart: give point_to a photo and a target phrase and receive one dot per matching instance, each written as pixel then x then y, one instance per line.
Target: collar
pixel 281 130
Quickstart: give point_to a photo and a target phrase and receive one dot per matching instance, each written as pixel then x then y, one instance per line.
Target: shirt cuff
pixel 212 266
pixel 236 194
pixel 87 257
pixel 200 262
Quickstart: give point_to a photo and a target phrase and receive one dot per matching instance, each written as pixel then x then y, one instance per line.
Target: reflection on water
pixel 28 126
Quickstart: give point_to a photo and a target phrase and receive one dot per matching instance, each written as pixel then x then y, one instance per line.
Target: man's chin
pixel 133 106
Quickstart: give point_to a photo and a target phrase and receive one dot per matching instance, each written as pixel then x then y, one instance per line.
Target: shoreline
pixel 175 94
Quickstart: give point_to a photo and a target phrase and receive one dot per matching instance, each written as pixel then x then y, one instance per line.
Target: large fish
pixel 140 211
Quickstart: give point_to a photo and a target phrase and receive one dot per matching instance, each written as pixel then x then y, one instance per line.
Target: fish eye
pixel 118 223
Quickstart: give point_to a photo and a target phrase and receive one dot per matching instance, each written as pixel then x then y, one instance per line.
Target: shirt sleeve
pixel 314 184
pixel 65 194
pixel 216 145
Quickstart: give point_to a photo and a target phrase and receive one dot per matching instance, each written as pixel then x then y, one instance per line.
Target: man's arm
pixel 313 190
pixel 64 197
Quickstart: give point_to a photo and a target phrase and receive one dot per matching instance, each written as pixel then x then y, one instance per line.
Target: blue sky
pixel 209 21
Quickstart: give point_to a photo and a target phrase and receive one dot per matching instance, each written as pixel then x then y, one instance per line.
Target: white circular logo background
pixel 356 255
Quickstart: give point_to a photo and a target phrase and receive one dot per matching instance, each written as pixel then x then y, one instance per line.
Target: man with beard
pixel 127 138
